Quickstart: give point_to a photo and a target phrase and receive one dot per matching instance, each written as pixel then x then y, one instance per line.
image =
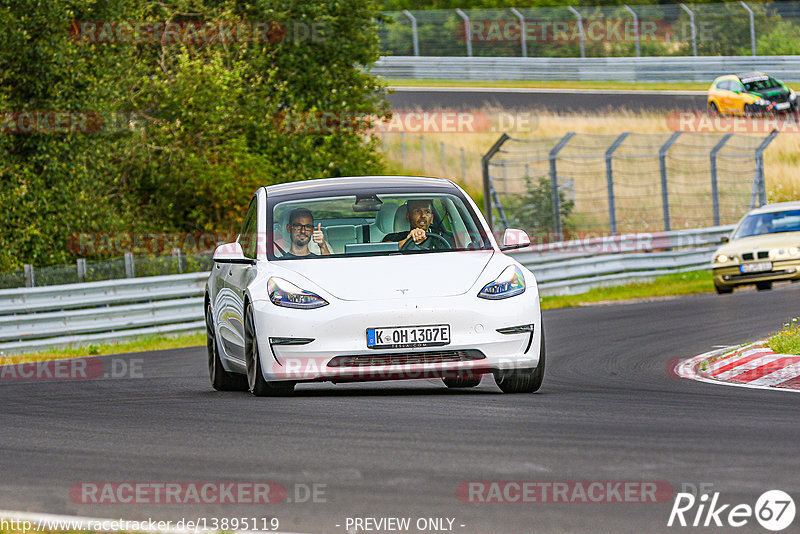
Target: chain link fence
pixel 613 184
pixel 727 29
pixel 127 266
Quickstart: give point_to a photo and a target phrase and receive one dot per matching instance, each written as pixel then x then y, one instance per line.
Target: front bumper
pixel 339 329
pixel 731 276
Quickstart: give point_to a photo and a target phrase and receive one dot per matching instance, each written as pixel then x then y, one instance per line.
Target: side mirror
pixel 232 253
pixel 513 239
pixel 725 239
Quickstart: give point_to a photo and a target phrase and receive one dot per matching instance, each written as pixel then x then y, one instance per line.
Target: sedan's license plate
pixel 396 337
pixel 756 267
pixel 782 105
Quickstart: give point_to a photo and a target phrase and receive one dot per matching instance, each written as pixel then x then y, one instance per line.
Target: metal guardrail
pixel 628 69
pixel 39 318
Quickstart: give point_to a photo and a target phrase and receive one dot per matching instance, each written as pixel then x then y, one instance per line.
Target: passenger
pixel 302 232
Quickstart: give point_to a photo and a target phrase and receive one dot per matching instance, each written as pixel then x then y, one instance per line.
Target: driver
pixel 420 216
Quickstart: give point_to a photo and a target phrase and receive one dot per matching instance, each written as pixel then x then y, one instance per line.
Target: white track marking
pixel 538 90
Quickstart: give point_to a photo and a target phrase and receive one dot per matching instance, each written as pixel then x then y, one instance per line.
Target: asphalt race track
pixel 608 411
pixel 562 101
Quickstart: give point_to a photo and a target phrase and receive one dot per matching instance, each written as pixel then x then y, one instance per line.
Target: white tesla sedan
pixel 370 278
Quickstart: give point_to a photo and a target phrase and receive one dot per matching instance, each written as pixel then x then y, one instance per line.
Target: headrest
pixel 384 220
pixel 400 222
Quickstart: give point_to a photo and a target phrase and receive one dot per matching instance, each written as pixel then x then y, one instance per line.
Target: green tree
pixel 533 211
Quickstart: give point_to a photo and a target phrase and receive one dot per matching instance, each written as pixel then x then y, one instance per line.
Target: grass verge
pixel 553 84
pixel 785 342
pixel 664 286
pixel 142 344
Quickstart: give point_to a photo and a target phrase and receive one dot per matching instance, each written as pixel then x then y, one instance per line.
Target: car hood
pixel 761 242
pixel 770 93
pixel 438 274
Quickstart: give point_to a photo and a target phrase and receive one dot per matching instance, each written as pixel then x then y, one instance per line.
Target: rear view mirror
pixel 513 239
pixel 231 253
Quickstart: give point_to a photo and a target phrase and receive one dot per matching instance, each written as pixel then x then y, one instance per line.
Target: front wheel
pixel 722 290
pixel 221 380
pixel 255 376
pixel 523 380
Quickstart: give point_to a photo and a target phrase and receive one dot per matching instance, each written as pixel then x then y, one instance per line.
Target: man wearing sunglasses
pixel 301 232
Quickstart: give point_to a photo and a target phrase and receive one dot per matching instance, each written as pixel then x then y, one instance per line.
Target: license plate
pixel 782 105
pixel 756 267
pixel 396 337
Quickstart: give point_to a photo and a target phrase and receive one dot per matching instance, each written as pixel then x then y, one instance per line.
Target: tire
pixel 713 110
pixel 523 380
pixel 255 377
pixel 721 290
pixel 465 380
pixel 763 286
pixel 221 380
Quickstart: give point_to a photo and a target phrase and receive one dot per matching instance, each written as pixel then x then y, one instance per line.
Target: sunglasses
pixel 307 227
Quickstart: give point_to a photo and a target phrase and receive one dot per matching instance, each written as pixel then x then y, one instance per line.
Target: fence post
pixel 580 29
pixel 662 164
pixel 403 149
pixel 444 161
pixel 752 27
pixel 635 29
pixel 383 139
pixel 177 255
pixel 714 188
pixel 522 37
pixel 759 184
pixel 694 29
pixel 130 270
pixel 466 30
pixel 29 278
pixel 81 266
pixel 463 166
pixel 487 186
pixel 422 152
pixel 414 35
pixel 556 199
pixel 612 208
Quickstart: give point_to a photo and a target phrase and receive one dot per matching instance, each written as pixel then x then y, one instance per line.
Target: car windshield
pixel 769 223
pixel 369 224
pixel 760 83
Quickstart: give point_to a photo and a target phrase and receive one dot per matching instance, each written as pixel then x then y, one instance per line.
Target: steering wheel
pixel 430 237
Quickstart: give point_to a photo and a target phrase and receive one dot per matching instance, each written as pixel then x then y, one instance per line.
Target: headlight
pixel 288 295
pixel 509 283
pixel 792 95
pixel 793 251
pixel 722 258
pixel 762 102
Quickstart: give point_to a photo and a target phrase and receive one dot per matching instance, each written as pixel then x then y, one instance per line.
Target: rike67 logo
pixel 774 510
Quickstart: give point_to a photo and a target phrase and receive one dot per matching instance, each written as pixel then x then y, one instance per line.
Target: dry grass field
pixel 781 158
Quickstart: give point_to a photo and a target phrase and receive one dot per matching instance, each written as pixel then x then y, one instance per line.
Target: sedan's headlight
pixel 762 102
pixel 792 95
pixel 722 258
pixel 286 294
pixel 509 283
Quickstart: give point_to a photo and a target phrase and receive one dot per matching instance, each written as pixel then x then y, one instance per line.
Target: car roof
pixel 754 74
pixel 778 206
pixel 375 183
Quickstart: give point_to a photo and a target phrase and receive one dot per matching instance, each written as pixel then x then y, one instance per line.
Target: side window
pixel 736 86
pixel 725 85
pixel 249 238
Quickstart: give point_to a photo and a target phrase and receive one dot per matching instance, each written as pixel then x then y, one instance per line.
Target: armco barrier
pixel 38 318
pixel 627 69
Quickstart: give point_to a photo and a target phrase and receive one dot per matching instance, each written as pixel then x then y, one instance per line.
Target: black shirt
pixel 290 255
pixel 399 236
